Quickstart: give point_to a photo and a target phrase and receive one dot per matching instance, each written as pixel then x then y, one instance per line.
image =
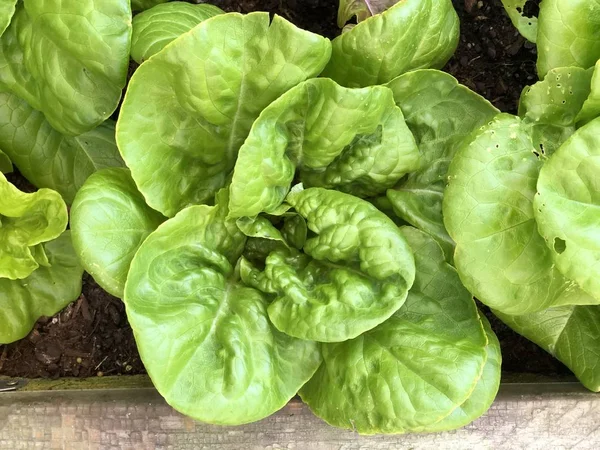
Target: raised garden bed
pixel 91 339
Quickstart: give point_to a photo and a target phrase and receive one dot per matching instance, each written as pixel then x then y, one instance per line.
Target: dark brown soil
pixel 318 16
pixel 492 58
pixel 91 336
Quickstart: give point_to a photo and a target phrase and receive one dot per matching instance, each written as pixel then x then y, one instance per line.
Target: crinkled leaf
pixel 567 208
pixel 68 59
pixel 353 140
pixel 357 273
pixel 570 333
pixel 557 99
pixel 184 119
pixel 412 34
pixel 488 211
pixel 109 222
pixel 7 10
pixel 259 227
pixel 568 34
pixel 591 107
pixel 48 158
pixel 527 26
pixel 440 113
pixel 27 220
pixel 553 105
pixel 295 230
pixel 415 369
pixel 204 337
pixel 155 28
pixel 43 293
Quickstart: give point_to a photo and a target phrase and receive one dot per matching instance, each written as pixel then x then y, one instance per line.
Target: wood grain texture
pixel 547 416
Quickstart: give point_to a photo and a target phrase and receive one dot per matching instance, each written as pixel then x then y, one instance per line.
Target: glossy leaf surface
pixel 109 222
pixel 184 119
pixel 352 140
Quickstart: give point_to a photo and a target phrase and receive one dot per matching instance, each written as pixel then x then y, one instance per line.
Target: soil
pixel 91 337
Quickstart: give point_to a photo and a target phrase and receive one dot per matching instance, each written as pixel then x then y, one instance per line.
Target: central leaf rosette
pixel 354 272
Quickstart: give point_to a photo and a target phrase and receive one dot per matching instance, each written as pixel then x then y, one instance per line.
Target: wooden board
pixel 548 416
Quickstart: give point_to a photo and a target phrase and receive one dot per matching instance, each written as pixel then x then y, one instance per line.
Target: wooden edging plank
pixel 544 416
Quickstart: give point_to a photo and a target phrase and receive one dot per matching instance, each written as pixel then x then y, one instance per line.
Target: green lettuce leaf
pixel 553 106
pixel 49 159
pixel 141 5
pixel 527 26
pixel 440 113
pixel 485 391
pixel 488 211
pixel 7 10
pixel 570 333
pixel 353 140
pixel 204 337
pixel 109 222
pixel 68 59
pixel 591 107
pixel 184 119
pixel 26 221
pixel 567 208
pixel 355 271
pixel 5 163
pixel 155 28
pixel 43 293
pixel 412 34
pixel 568 34
pixel 417 368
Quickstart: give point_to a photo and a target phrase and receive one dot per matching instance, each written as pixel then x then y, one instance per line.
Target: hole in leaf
pixel 559 245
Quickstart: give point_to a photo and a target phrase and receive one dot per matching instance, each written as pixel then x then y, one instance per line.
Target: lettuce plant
pixel 39 270
pixel 237 285
pixel 489 212
pixel 204 336
pixel 243 290
pixel 409 35
pixel 521 204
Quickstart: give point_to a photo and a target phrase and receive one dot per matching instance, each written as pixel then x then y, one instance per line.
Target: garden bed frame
pixel 127 413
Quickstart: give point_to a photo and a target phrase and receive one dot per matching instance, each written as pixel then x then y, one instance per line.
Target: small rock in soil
pixel 48 352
